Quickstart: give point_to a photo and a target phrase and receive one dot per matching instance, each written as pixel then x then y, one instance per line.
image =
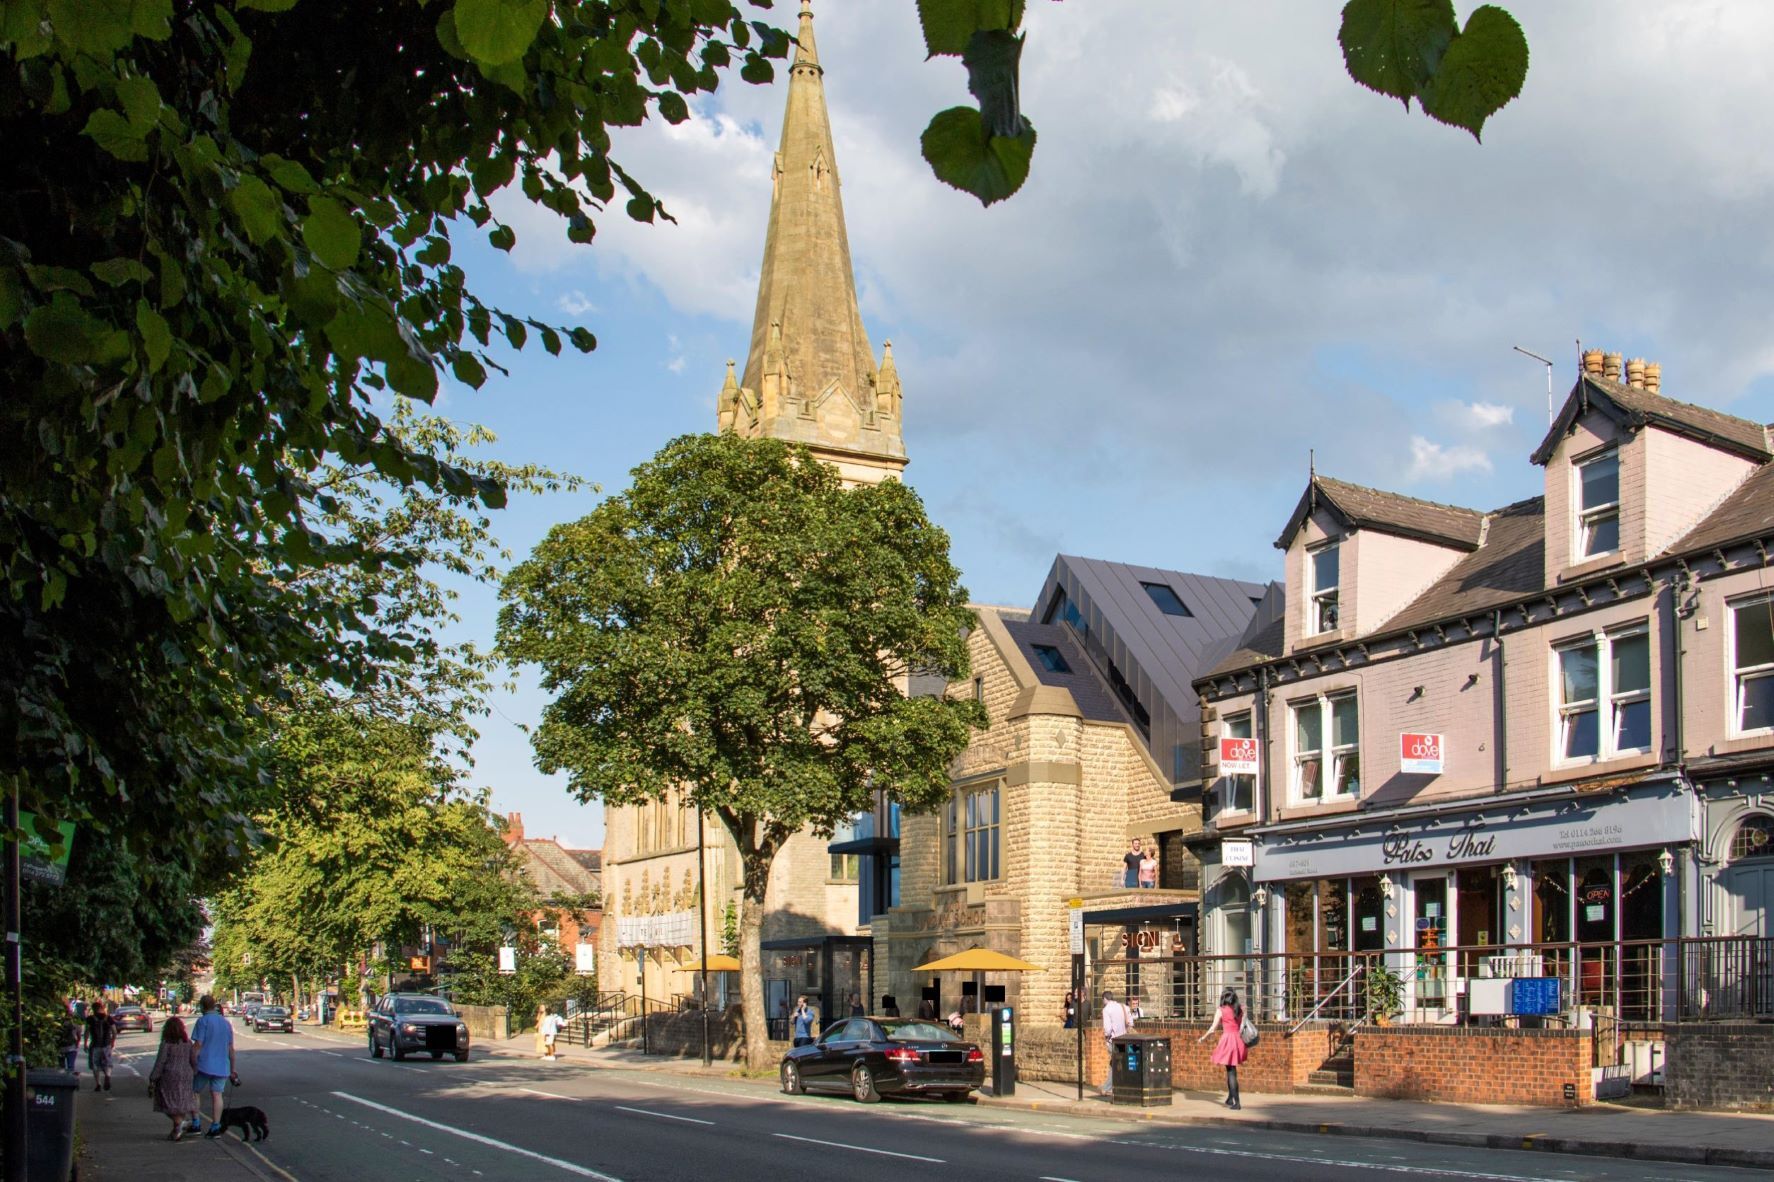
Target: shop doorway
pixel 1429 908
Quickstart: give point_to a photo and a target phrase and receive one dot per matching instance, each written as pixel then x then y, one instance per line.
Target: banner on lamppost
pixel 39 859
pixel 585 958
pixel 508 960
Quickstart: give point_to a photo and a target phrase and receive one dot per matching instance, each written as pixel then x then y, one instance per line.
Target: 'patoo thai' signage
pixel 1651 815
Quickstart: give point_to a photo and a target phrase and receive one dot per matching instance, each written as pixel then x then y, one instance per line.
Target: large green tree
pixel 740 626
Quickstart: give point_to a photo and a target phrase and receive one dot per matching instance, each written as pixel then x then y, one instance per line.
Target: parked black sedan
pixel 404 1023
pixel 273 1018
pixel 875 1057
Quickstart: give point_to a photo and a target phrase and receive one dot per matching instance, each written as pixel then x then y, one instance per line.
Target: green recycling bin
pixel 49 1129
pixel 1139 1073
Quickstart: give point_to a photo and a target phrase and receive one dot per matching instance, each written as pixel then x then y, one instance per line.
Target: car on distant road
pixel 875 1057
pixel 133 1018
pixel 273 1018
pixel 248 1009
pixel 402 1024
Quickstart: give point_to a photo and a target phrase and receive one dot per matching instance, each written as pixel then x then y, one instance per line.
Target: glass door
pixel 1430 904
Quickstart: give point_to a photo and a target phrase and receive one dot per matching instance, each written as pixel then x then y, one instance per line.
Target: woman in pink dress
pixel 171 1077
pixel 1230 1051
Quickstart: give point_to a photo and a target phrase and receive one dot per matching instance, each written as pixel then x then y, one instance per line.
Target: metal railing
pixel 1632 981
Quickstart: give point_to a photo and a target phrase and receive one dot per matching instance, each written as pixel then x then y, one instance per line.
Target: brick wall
pixel 1279 1063
pixel 1720 1065
pixel 1472 1066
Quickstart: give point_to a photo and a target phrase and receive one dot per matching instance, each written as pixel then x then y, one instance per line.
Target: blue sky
pixel 1228 255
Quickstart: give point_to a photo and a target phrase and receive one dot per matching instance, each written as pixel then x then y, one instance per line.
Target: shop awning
pixel 1130 916
pixel 720 962
pixel 979 960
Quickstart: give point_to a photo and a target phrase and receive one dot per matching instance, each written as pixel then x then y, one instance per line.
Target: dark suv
pixel 406 1023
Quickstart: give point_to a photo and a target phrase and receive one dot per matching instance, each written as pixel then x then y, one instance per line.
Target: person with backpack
pixel 67 1041
pixel 1234 1045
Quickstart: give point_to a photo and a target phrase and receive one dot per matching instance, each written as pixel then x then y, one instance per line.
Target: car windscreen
pixel 919 1032
pixel 420 1005
pixel 126 1011
pixel 273 1011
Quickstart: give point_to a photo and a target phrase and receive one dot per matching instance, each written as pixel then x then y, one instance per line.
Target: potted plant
pixel 1385 994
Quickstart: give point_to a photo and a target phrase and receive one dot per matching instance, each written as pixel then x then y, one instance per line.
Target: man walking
pixel 101 1038
pixel 214 1038
pixel 1115 1025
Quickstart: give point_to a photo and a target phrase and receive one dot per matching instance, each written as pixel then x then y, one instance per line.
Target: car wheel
pixel 461 1056
pixel 394 1049
pixel 862 1084
pixel 791 1080
pixel 436 1055
pixel 375 1047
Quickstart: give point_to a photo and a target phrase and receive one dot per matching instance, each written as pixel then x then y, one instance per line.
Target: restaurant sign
pixel 1659 814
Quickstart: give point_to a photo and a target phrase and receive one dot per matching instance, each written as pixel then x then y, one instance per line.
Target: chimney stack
pixel 1653 376
pixel 1611 367
pixel 514 828
pixel 1592 363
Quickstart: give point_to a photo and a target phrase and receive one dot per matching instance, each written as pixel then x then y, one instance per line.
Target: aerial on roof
pixel 1635 406
pixel 1360 507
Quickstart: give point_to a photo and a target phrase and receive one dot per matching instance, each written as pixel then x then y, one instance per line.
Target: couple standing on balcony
pixel 1140 866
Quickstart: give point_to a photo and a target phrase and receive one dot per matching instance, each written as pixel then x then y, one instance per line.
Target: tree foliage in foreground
pixel 739 625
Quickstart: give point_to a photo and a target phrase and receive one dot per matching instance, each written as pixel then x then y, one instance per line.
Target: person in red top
pixel 1230 1051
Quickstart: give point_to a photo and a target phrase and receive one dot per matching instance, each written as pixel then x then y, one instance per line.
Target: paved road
pixel 339 1116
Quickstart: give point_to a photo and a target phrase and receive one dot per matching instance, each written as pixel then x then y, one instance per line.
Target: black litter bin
pixel 1139 1074
pixel 49 1108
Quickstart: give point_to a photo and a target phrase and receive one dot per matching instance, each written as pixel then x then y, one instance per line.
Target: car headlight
pixel 409 1028
pixel 461 1031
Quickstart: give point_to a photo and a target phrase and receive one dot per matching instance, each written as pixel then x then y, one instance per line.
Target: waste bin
pixel 49 1105
pixel 1139 1074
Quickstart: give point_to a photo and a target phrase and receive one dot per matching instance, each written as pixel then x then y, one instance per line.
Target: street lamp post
pixel 702 923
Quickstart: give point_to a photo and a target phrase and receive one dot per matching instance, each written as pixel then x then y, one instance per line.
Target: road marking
pixel 1051 1178
pixel 550 1095
pixel 275 1168
pixel 1435 1171
pixel 860 1148
pixel 557 1163
pixel 663 1115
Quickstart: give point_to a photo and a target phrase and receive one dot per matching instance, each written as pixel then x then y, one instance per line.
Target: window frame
pixel 1156 591
pixel 1608 702
pixel 1227 796
pixel 1736 675
pixel 1329 753
pixel 980 838
pixel 1317 597
pixel 1585 516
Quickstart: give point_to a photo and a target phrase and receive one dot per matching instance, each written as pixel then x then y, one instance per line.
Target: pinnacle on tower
pixel 810 374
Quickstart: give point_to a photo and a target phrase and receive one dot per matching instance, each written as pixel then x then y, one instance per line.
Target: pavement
pixel 613 1114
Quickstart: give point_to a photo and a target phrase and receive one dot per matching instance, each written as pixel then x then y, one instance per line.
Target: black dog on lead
pixel 248 1120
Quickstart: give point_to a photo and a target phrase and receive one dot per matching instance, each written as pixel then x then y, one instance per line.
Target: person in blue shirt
pixel 214 1037
pixel 804 1017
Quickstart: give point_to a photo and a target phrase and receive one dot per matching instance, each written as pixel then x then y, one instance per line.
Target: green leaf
pixel 140 100
pixel 950 24
pixel 291 176
pixel 515 332
pixel 757 70
pixel 496 32
pixel 551 340
pixel 582 339
pixel 12 303
pixel 1394 46
pixel 673 107
pixel 1480 73
pixel 93 26
pixel 116 135
pixel 961 154
pixel 63 331
pixel 117 272
pixel 21 26
pixel 468 370
pixel 641 208
pixel 502 237
pixel 156 335
pixel 331 233
pixel 267 5
pixel 259 209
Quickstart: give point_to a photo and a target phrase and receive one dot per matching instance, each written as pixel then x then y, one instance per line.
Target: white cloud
pixel 1432 461
pixel 574 303
pixel 1485 415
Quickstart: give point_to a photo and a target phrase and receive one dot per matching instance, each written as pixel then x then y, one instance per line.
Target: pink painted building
pixel 1531 740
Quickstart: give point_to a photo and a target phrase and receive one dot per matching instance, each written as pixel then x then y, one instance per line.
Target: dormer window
pixel 1598 505
pixel 1323 576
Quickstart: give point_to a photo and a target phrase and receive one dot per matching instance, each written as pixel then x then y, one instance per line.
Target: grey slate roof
pixel 1096 701
pixel 1635 407
pixel 1388 512
pixel 1511 564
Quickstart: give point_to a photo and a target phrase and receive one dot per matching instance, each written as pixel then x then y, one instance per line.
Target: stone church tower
pixel 811 376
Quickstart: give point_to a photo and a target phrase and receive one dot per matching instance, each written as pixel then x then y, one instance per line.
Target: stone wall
pixel 1720 1065
pixel 486 1021
pixel 1469 1065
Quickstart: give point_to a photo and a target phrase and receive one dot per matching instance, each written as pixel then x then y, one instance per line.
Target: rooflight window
pixel 1051 658
pixel 1166 598
pixel 1598 505
pixel 1325 576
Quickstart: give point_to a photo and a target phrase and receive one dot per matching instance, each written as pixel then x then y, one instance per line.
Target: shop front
pixel 1577 886
pixel 827 970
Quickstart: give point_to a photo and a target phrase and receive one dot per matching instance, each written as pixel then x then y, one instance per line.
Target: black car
pixel 875 1057
pixel 405 1023
pixel 273 1018
pixel 133 1018
pixel 248 1009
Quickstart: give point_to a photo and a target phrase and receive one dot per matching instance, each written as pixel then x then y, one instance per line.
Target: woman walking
pixel 170 1079
pixel 544 1044
pixel 1230 1051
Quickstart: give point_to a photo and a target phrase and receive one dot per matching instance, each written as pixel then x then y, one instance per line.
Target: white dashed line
pixel 662 1115
pixel 558 1163
pixel 860 1148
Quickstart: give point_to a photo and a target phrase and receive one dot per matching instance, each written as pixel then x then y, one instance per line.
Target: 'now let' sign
pixel 1238 757
pixel 1420 754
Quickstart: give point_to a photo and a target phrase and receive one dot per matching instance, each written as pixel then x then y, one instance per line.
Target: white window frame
pixel 1608 702
pixel 1329 754
pixel 1585 517
pixel 1735 676
pixel 1248 718
pixel 1315 598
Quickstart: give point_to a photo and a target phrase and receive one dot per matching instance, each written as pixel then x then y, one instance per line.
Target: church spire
pixel 810 375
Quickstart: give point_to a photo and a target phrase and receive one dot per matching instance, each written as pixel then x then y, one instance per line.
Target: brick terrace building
pixel 564 878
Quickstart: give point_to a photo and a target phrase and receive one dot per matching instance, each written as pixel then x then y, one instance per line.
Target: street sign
pixel 1237 853
pixel 1077 914
pixel 1238 757
pixel 40 860
pixel 1419 754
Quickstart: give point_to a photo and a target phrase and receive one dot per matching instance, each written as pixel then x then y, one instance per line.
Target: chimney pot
pixel 1611 367
pixel 1635 373
pixel 1653 376
pixel 1592 362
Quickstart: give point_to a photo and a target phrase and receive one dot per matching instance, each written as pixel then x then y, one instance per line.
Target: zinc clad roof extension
pixel 1634 407
pixel 1387 512
pixel 1096 701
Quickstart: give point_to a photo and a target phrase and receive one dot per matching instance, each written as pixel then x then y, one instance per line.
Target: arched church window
pixel 1754 838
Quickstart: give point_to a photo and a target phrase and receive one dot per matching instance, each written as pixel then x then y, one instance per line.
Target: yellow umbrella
pixel 979 960
pixel 720 962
